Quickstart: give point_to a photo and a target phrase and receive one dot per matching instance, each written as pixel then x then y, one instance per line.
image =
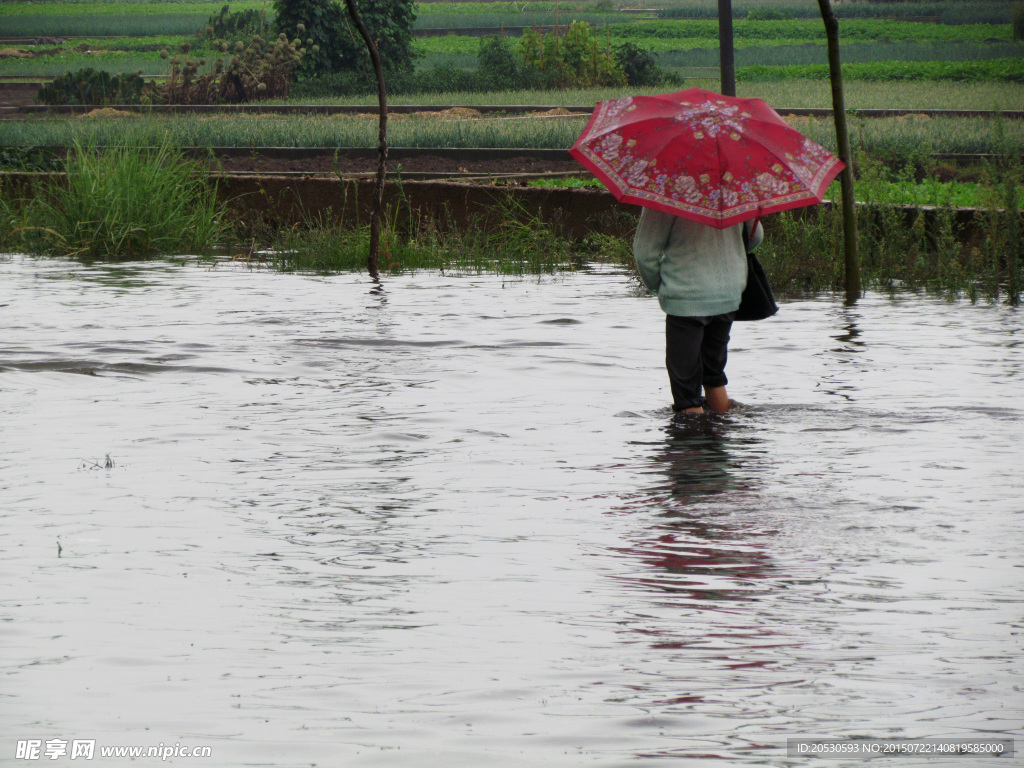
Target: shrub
pixel 498 67
pixel 91 86
pixel 570 60
pixel 252 72
pixel 638 65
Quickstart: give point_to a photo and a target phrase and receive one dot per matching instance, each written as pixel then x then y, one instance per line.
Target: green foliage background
pixel 334 44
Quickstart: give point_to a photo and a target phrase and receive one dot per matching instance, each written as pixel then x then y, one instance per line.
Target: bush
pixel 252 72
pixel 570 60
pixel 498 67
pixel 92 86
pixel 638 65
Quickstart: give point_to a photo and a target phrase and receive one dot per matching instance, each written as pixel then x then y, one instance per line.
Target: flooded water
pixel 450 522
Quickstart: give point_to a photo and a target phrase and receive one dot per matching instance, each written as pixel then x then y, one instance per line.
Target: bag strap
pixel 746 234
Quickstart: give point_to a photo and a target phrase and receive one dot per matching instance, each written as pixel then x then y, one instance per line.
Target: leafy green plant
pixel 91 86
pixel 573 59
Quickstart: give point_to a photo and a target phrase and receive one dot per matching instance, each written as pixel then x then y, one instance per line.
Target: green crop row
pixel 114 62
pixel 857 52
pixel 83 25
pixel 944 11
pixel 871 61
pixel 683 35
pixel 14 10
pixel 521 19
pixel 860 94
pixel 957 194
pixel 1009 70
pixel 811 30
pixel 889 137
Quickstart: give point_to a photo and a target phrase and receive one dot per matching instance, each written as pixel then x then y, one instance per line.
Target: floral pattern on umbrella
pixel 715 159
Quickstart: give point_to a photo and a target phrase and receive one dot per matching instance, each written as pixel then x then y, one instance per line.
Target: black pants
pixel 696 349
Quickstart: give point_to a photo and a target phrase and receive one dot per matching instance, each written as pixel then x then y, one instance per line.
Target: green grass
pixel 126 202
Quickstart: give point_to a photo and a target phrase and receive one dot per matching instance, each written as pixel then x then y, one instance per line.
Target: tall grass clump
pixel 121 202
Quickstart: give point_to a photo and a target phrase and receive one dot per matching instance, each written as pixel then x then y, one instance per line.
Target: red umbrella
pixel 715 159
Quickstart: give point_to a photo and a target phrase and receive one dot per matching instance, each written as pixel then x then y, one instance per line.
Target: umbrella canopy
pixel 714 159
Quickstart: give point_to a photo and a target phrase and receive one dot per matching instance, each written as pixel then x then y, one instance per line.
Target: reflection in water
pixel 344 526
pixel 847 354
pixel 694 548
pixel 696 568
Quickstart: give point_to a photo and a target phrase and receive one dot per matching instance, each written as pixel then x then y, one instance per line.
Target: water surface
pixel 450 522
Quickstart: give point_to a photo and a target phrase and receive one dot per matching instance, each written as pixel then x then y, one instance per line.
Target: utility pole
pixel 843 143
pixel 726 57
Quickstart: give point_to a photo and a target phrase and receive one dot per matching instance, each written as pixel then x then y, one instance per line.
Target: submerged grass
pixel 128 202
pixel 124 202
pixel 509 240
pixel 934 248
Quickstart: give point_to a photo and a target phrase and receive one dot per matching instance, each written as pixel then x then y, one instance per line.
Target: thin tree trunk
pixel 378 190
pixel 726 54
pixel 843 142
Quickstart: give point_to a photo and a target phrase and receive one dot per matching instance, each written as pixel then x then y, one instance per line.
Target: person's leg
pixel 683 337
pixel 714 354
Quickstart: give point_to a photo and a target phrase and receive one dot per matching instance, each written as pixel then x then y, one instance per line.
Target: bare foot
pixel 717 399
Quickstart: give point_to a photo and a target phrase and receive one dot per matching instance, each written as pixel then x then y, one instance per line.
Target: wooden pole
pixel 853 289
pixel 726 54
pixel 382 98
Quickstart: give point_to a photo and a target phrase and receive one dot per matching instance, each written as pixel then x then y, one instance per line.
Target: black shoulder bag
pixel 757 301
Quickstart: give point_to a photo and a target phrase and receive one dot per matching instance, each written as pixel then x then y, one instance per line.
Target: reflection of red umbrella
pixel 715 159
